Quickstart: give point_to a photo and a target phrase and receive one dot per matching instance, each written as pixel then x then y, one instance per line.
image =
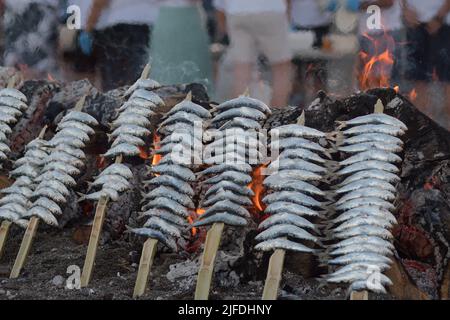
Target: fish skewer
pixel 15 201
pixel 48 200
pixel 167 205
pixel 243 108
pixel 283 229
pixel 362 227
pixel 118 151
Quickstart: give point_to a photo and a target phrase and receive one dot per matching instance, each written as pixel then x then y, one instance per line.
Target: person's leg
pixel 281 83
pixel 242 76
pixel 242 52
pixel 273 39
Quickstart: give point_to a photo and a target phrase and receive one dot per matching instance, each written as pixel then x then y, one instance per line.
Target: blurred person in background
pixel 30 37
pixel 380 45
pixel 308 15
pixel 258 27
pixel 118 34
pixel 74 64
pixel 180 50
pixel 428 47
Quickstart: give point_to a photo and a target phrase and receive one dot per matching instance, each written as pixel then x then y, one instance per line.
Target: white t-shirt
pixel 129 11
pixel 391 19
pixel 242 7
pixel 308 14
pixel 427 9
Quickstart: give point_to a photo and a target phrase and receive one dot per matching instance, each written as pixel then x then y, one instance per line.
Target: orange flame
pixel 258 188
pixel 413 95
pixel 384 60
pixel 143 154
pixel 198 212
pixel 156 157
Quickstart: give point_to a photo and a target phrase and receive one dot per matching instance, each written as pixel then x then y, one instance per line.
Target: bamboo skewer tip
pixel 80 104
pixel 188 96
pixel 379 107
pixel 301 120
pixel 146 71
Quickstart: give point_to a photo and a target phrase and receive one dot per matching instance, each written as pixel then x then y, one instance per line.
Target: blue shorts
pixel 428 56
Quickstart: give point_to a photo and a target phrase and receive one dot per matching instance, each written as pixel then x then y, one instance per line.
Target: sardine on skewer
pixel 361 229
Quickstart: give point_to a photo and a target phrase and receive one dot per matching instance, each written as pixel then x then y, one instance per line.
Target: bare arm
pixel 96 11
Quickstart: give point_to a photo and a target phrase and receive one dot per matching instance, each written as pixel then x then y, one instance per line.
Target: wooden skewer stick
pixel 207 265
pixel 12 82
pixel 147 256
pixel 364 295
pixel 146 71
pixel 4 230
pixel 100 213
pixel 25 246
pixel 274 275
pixel 28 237
pixel 277 259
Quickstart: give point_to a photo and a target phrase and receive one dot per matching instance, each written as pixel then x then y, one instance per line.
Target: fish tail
pixel 339 138
pixel 81 196
pixel 331 136
pixel 341 124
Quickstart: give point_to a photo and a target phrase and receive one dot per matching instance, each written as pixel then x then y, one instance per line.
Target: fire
pixel 382 61
pixel 258 188
pixel 198 212
pixel 413 95
pixel 156 157
pixel 50 77
pixel 143 154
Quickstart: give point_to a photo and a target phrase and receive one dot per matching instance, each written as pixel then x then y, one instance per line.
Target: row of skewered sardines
pixel 45 175
pixel 351 232
pixel 346 227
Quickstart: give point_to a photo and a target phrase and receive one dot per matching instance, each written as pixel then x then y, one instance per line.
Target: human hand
pixel 85 42
pixel 434 26
pixel 411 17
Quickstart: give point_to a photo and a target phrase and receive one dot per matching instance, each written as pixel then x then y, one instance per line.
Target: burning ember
pixel 413 95
pixel 258 188
pixel 156 157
